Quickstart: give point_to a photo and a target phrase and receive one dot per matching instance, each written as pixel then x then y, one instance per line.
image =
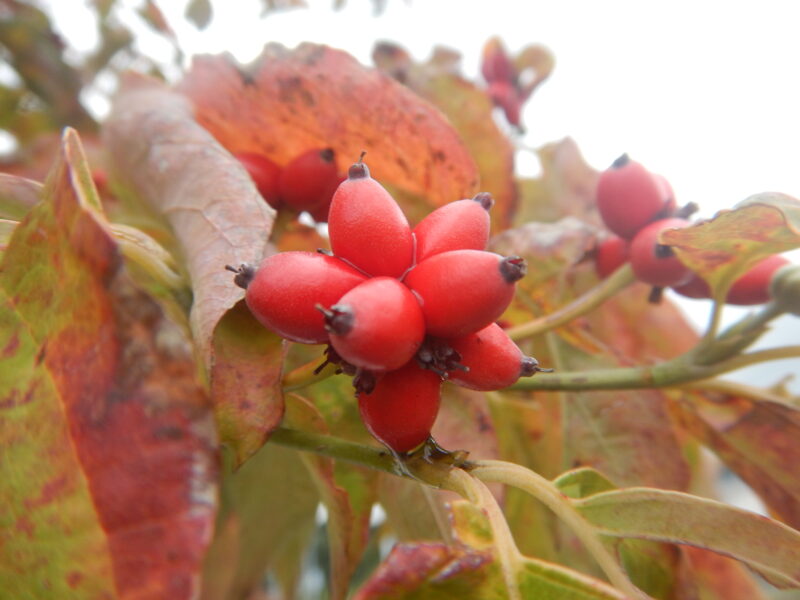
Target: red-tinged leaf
pixel 465 423
pixel 246 382
pixel 319 97
pixel 709 576
pixel 348 494
pixel 565 188
pixel 758 439
pixel 769 547
pixel 266 524
pixel 723 248
pixel 469 569
pixel 469 110
pixel 17 196
pixel 206 195
pixel 108 466
pixel 414 512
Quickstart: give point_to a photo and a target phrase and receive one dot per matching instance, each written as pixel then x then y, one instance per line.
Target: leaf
pixel 266 524
pixel 533 63
pixel 348 494
pixel 469 569
pixel 204 193
pixel 565 188
pixel 318 97
pixel 767 546
pixel 17 196
pixel 246 382
pixel 583 482
pixel 758 439
pixel 723 248
pixel 469 109
pixel 710 576
pixel 108 470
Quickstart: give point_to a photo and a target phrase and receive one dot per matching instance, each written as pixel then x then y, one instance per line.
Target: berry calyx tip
pixel 621 161
pixel 244 274
pixel 359 170
pixel 485 200
pixel 513 268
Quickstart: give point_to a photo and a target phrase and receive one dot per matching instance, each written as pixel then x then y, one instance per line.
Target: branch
pixel 609 287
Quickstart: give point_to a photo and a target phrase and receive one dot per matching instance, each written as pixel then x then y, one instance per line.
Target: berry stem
pixel 307 374
pixel 607 288
pixel 549 495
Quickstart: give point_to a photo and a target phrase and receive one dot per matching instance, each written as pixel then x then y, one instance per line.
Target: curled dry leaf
pixel 316 97
pixel 204 193
pixel 107 475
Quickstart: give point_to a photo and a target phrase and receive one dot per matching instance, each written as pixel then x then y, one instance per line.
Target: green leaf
pixel 108 468
pixel 17 196
pixel 767 546
pixel 725 247
pixel 246 382
pixel 266 524
pixel 348 494
pixel 583 482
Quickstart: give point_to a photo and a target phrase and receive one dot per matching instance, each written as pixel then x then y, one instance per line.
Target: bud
pixel 785 288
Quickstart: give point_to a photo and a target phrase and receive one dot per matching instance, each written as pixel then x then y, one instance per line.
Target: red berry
pixel 459 225
pixel 305 182
pixel 284 291
pixel 493 359
pixel 264 174
pixel 610 255
pixel 654 263
pixel 320 214
pixel 496 64
pixel 629 197
pixel 695 288
pixel 377 325
pixel 367 227
pixel 753 286
pixel 402 408
pixel 462 291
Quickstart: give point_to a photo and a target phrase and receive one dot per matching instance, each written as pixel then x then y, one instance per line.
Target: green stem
pixel 609 287
pixel 549 495
pixel 508 554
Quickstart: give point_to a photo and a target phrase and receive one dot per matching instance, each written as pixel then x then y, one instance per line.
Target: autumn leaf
pixel 317 97
pixel 108 470
pixel 723 248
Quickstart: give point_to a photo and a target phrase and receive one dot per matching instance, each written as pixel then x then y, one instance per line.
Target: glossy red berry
pixel 629 197
pixel 264 174
pixel 496 65
pixel 492 358
pixel 654 263
pixel 401 409
pixel 306 181
pixel 610 255
pixel 462 291
pixel 283 293
pixel 367 227
pixel 459 225
pixel 377 325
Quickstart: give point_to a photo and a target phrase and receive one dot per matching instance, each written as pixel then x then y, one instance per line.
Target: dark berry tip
pixel 663 251
pixel 687 210
pixel 244 274
pixel 530 366
pixel 359 170
pixel 324 251
pixel 338 319
pixel 327 154
pixel 513 268
pixel 656 294
pixel 621 161
pixel 485 200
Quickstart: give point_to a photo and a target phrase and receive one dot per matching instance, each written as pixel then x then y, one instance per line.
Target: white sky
pixel 706 93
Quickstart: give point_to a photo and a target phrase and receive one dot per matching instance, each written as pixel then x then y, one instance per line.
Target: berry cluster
pixel 401 310
pixel 505 88
pixel 637 205
pixel 306 183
